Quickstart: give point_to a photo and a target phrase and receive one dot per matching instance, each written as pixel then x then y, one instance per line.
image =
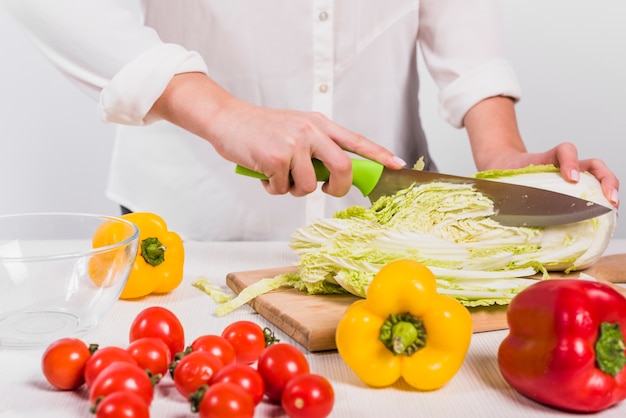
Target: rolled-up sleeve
pixel 105 49
pixel 462 45
pixel 128 97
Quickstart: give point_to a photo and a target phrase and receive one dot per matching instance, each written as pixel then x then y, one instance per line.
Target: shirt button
pixel 323 88
pixel 323 16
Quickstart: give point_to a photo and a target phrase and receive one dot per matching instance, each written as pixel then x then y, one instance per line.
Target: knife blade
pixel 514 205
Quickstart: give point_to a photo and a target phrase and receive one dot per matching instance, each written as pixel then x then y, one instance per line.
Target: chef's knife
pixel 514 205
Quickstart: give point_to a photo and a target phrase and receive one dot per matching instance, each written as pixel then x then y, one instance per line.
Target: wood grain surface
pixel 312 320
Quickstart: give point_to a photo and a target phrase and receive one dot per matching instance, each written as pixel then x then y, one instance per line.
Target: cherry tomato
pixel 103 358
pixel 278 364
pixel 245 376
pixel 151 354
pixel 159 322
pixel 122 377
pixel 226 400
pixel 216 345
pixel 194 370
pixel 122 404
pixel 248 340
pixel 63 363
pixel 308 396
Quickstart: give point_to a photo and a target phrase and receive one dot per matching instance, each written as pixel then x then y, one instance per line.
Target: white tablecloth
pixel 478 390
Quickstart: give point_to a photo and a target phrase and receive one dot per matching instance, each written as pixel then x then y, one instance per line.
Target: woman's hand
pixel 565 156
pixel 277 143
pixel 497 144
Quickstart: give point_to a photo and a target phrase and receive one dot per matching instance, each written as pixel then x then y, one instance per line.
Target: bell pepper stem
pixel 403 334
pixel 153 251
pixel 610 346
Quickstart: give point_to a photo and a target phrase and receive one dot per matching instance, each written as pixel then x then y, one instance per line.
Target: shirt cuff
pixel 495 78
pixel 129 96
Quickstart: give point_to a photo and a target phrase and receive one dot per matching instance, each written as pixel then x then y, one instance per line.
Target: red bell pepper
pixel 565 346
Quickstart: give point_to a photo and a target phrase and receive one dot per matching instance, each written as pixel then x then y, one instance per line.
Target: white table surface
pixel 478 390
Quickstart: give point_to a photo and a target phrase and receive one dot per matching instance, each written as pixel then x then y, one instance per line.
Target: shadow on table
pixel 484 367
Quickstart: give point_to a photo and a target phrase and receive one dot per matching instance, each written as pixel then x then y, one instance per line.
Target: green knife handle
pixel 365 173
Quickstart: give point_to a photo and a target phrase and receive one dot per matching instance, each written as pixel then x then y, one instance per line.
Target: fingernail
pixel 614 197
pixel 575 176
pixel 399 161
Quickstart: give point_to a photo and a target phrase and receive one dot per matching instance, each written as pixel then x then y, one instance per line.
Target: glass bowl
pixel 53 283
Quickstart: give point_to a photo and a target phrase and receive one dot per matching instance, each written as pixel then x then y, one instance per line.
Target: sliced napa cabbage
pixel 448 228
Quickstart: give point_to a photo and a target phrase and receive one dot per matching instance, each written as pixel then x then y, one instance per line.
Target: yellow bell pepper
pixel 405 329
pixel 158 266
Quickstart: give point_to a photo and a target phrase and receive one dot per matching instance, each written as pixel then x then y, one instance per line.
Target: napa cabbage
pixel 449 228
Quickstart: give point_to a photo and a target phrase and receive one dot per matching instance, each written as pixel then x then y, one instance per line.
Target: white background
pixel 570 56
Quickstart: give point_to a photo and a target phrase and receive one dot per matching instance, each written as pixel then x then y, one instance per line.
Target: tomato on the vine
pixel 278 364
pixel 217 345
pixel 159 322
pixel 122 404
pixel 248 340
pixel 225 400
pixel 308 396
pixel 122 377
pixel 245 376
pixel 103 358
pixel 194 370
pixel 151 354
pixel 63 363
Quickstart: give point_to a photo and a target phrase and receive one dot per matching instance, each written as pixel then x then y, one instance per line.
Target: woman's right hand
pixel 277 143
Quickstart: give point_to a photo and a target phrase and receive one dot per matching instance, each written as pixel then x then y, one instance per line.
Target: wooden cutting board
pixel 312 320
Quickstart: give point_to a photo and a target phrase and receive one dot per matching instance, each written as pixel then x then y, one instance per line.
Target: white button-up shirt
pixel 353 60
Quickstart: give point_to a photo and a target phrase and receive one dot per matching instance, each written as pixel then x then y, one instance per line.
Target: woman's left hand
pixel 565 156
pixel 496 144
